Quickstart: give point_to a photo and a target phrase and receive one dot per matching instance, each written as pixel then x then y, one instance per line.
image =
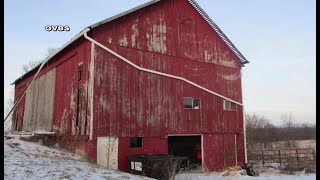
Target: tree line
pixel 262 134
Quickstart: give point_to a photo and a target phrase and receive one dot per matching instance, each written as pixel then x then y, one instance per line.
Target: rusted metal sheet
pixel 118 100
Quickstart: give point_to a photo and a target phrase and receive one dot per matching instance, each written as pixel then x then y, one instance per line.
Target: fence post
pixel 314 156
pixel 280 157
pixel 262 159
pixel 297 157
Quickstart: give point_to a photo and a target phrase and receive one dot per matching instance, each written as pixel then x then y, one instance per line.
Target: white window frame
pixel 192 103
pixel 225 105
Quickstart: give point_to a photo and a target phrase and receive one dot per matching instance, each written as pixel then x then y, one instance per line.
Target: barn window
pixel 136 142
pixel 191 103
pixel 229 106
pixel 78 106
pixel 79 72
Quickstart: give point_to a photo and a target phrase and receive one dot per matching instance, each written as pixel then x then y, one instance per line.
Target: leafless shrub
pixel 170 169
pixel 109 147
pixel 288 125
pixel 260 132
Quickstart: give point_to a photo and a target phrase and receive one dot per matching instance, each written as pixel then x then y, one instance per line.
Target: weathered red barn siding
pixel 19 110
pixel 64 116
pixel 154 145
pixel 171 37
pixel 66 98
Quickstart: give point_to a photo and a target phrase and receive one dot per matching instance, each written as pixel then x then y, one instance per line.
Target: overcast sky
pixel 277 37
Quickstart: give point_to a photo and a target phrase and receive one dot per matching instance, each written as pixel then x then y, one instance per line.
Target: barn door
pixel 107 152
pixel 39 103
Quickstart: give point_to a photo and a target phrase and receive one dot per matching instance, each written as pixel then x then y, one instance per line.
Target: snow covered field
pixel 307 144
pixel 27 160
pixel 237 176
pixel 261 177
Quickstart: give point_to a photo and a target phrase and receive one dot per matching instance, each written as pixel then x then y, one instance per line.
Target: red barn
pixel 161 78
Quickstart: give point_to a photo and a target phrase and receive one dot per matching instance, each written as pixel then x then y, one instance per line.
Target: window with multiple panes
pixel 191 103
pixel 136 142
pixel 229 106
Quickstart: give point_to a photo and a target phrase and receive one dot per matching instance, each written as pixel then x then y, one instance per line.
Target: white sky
pixel 277 37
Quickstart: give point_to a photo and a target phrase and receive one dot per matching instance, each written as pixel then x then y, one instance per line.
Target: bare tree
pixel 260 132
pixel 288 125
pixel 112 142
pixel 51 50
pixel 32 64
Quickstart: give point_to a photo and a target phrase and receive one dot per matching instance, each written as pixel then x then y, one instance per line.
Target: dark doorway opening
pixel 186 146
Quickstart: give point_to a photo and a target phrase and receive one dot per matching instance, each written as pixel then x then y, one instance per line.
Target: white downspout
pixel 91 89
pixel 244 131
pixel 244 136
pixel 157 72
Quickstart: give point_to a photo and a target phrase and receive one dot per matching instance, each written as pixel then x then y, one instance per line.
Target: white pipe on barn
pixel 91 83
pixel 157 72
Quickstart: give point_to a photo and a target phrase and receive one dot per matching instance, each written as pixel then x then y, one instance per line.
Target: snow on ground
pixel 7 125
pixel 27 160
pixel 237 176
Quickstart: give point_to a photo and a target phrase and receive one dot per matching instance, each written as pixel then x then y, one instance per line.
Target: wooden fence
pixel 294 158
